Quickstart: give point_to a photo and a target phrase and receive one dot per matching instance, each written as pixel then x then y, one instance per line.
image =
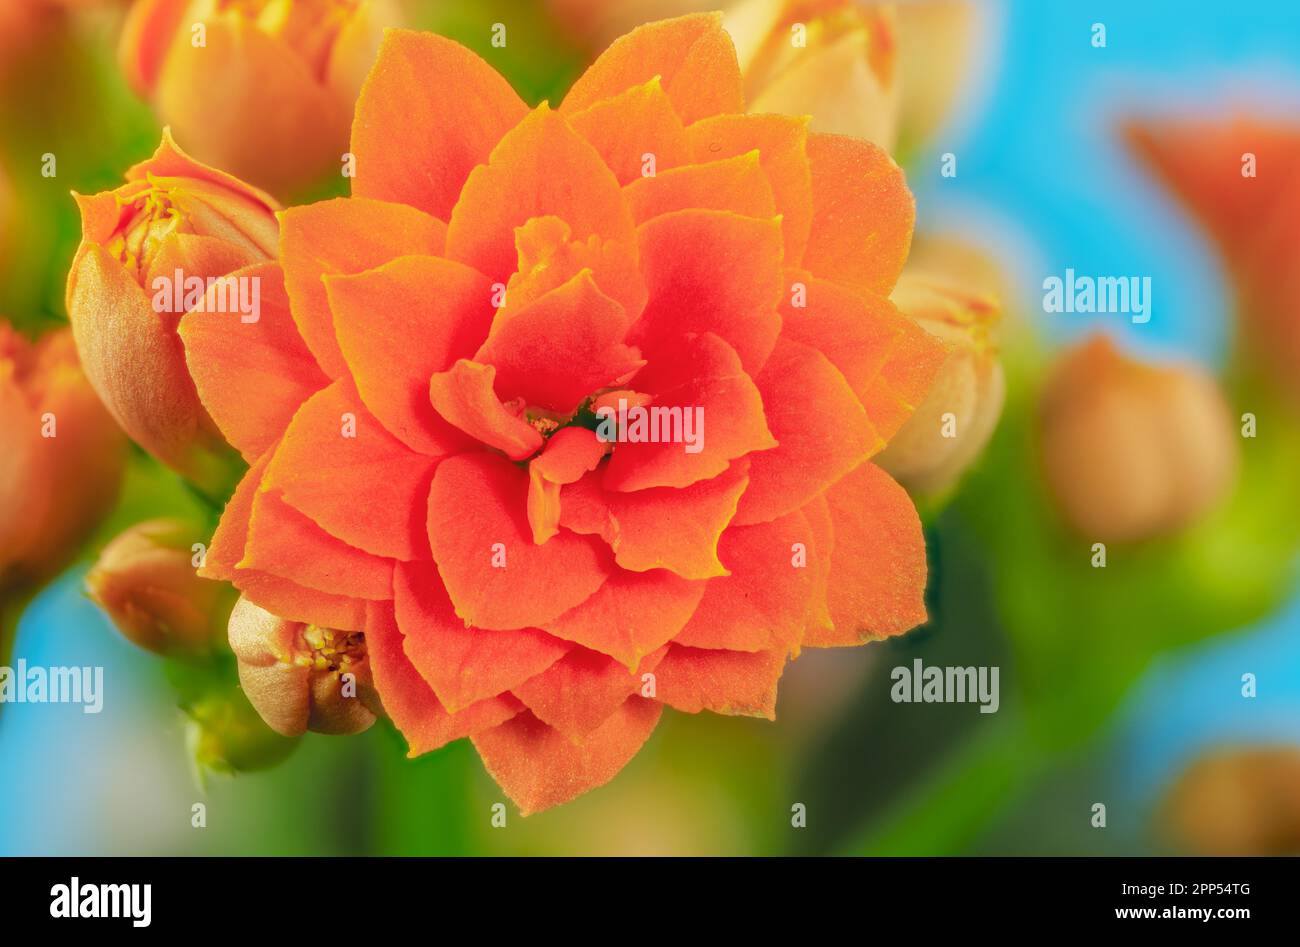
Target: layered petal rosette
pixel 438 404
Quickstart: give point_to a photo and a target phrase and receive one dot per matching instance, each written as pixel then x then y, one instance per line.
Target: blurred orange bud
pixel 956 419
pixel 1133 451
pixel 261 88
pixel 1240 178
pixel 302 677
pixel 61 459
pixel 835 60
pixel 147 250
pixel 1237 802
pixel 146 581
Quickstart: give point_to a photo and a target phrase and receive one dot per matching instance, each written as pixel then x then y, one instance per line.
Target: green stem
pixel 971 787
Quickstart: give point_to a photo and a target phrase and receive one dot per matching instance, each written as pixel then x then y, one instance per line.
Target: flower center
pixel 324 649
pixel 154 216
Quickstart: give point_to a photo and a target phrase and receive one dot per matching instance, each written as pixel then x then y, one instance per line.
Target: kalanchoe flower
pixel 958 416
pixel 302 677
pixel 145 248
pixel 268 94
pixel 1133 451
pixel 60 460
pixel 146 581
pixel 421 414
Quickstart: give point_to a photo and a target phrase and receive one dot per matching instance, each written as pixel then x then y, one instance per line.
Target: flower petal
pixel 734 184
pixel 862 213
pixel 762 605
pixel 693 56
pixel 632 124
pixel 477 516
pixel 410 702
pixel 578 693
pixel 724 682
pixel 781 141
pixel 334 453
pixel 705 377
pixel 710 271
pixel 538 767
pixel 429 104
pixel 821 429
pixel 400 323
pixel 877 577
pixel 279 596
pixel 631 615
pixel 228 358
pixel 346 235
pixel 535 171
pixel 663 527
pixel 557 351
pixel 855 329
pixel 463 665
pixel 548 258
pixel 285 543
pixel 464 397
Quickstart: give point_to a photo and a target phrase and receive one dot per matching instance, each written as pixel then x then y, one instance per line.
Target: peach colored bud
pixel 146 581
pixel 61 457
pixel 954 423
pixel 302 677
pixel 1133 451
pixel 835 60
pixel 173 216
pixel 1237 802
pixel 262 88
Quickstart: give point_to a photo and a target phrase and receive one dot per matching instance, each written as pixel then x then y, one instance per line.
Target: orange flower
pixel 419 404
pixel 1241 180
pixel 148 250
pixel 60 461
pixel 262 88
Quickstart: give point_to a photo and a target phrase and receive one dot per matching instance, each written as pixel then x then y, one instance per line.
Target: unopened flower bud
pixel 146 581
pixel 1237 802
pixel 302 677
pixel 953 424
pixel 226 735
pixel 211 66
pixel 1133 451
pixel 61 456
pixel 147 249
